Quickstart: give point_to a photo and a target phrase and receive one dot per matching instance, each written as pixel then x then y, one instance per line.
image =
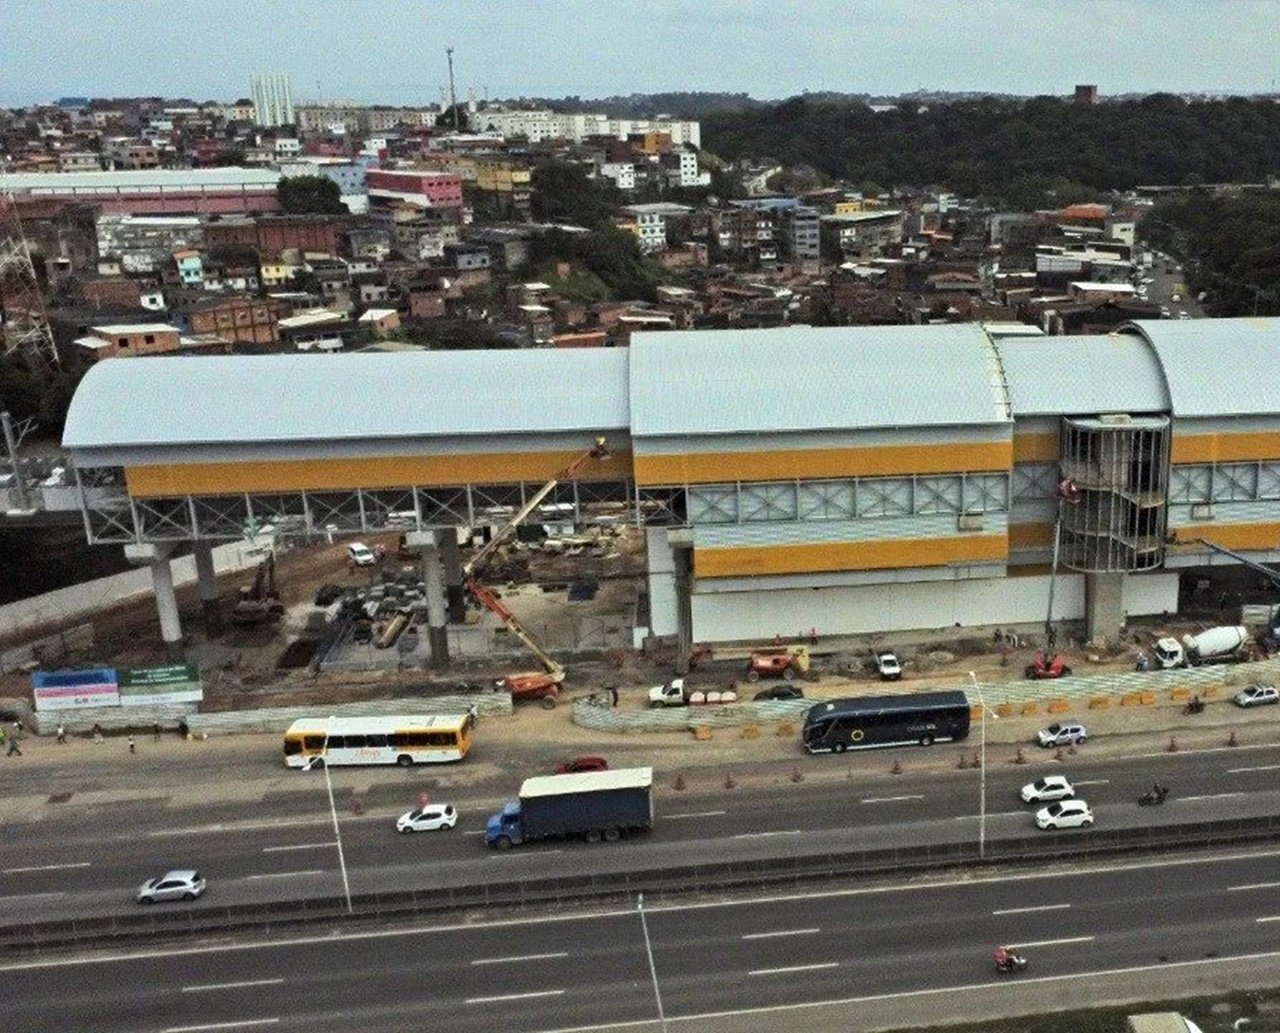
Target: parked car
pixel 577 764
pixel 780 692
pixel 1062 735
pixel 430 818
pixel 1051 787
pixel 1065 814
pixel 887 666
pixel 1257 695
pixel 360 555
pixel 179 884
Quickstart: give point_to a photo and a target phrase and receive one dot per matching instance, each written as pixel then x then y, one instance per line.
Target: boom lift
pixel 544 685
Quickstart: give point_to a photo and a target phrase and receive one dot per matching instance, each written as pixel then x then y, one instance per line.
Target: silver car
pixel 180 884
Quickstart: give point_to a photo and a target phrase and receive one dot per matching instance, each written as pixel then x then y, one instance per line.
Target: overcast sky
pixel 392 51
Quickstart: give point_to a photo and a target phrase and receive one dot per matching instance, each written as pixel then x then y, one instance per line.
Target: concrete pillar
pixel 682 556
pixel 1104 605
pixel 423 542
pixel 157 558
pixel 210 613
pixel 451 555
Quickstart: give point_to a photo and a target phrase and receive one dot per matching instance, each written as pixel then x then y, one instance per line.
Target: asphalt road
pixel 848 960
pixel 79 863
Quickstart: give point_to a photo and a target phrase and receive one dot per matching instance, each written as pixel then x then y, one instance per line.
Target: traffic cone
pixel 729 781
pixel 679 784
pixel 1231 739
pixel 1173 744
pixel 896 769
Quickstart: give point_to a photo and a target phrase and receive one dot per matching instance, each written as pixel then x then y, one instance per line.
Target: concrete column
pixel 210 614
pixel 1104 605
pixel 451 555
pixel 423 542
pixel 682 555
pixel 157 558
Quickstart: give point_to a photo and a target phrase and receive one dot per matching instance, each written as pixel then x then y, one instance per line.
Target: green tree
pixel 231 156
pixel 563 192
pixel 310 195
pixel 446 118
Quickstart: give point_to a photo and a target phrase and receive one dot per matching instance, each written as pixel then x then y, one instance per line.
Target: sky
pixel 393 51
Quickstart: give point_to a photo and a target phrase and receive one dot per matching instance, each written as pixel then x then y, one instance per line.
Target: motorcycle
pixel 1195 705
pixel 1153 796
pixel 1008 961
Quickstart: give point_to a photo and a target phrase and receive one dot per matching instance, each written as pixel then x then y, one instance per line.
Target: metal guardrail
pixel 622 885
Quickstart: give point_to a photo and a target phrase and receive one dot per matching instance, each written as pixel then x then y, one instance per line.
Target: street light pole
pixel 337 832
pixel 982 772
pixel 653 970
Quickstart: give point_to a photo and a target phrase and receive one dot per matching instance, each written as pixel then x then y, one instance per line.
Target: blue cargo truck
pixel 595 805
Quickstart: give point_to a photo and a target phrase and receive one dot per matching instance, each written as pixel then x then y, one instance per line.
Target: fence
pixel 715 876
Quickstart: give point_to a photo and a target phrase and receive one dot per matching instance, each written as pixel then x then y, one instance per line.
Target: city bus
pixel 396 739
pixel 870 721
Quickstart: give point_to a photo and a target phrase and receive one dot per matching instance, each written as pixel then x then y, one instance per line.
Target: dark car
pixel 572 767
pixel 780 692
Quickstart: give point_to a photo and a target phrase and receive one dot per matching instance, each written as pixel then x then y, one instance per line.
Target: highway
pixel 84 862
pixel 888 954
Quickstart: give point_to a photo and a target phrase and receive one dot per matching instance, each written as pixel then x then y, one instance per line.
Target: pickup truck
pixel 593 805
pixel 674 694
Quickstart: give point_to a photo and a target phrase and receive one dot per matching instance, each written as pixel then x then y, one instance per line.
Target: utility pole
pixel 453 96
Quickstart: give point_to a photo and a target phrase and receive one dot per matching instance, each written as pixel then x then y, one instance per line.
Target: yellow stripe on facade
pixel 1035 448
pixel 1262 537
pixel 1224 448
pixel 372 472
pixel 747 561
pixel 816 464
pixel 1030 536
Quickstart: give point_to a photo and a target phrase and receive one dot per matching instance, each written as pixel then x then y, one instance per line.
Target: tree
pixel 445 120
pixel 310 195
pixel 563 192
pixel 231 156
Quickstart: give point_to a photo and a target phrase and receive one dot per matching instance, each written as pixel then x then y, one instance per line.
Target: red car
pixel 571 767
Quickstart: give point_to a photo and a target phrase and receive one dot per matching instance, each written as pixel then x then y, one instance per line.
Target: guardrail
pixel 622 885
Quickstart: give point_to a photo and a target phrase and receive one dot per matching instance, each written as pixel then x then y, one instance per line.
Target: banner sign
pixel 75 690
pixel 147 686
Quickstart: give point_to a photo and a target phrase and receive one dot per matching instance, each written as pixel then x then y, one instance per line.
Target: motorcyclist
pixel 1143 663
pixel 1007 959
pixel 1195 705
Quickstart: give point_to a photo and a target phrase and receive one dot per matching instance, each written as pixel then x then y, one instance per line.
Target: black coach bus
pixel 869 721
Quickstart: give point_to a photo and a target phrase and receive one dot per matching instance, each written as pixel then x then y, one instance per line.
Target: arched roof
pixel 1104 373
pixel 1217 367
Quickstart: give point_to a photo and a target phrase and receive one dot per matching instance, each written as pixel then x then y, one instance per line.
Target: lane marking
pixel 1052 943
pixel 521 957
pixel 299 846
pixel 792 968
pixel 781 932
pixel 695 814
pixel 891 799
pixel 540 853
pixel 1271 918
pixel 287 875
pixel 514 997
pixel 1029 910
pixel 232 986
pixel 765 835
pixel 1253 886
pixel 32 896
pixel 1094 782
pixel 1208 796
pixel 242 1024
pixel 998 814
pixel 46 868
pixel 1263 767
pixel 1206 749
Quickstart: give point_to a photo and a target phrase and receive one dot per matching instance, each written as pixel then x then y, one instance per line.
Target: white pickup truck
pixel 674 694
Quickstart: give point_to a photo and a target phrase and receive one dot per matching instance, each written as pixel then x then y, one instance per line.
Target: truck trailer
pixel 595 805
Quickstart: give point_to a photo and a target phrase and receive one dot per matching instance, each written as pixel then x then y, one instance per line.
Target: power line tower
pixel 24 324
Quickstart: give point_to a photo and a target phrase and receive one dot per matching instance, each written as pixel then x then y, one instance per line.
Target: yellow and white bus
pixel 396 739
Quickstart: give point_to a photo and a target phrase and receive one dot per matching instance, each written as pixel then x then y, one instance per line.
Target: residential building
pixel 242 320
pixel 145 243
pixel 190 268
pixel 286 147
pixel 381 321
pixel 416 186
pixel 801 237
pixel 348 174
pixel 79 161
pixel 867 233
pixel 508 183
pixel 129 339
pixel 273 235
pixel 537 125
pixel 123 152
pixel 623 174
pixel 272 100
pixel 651 222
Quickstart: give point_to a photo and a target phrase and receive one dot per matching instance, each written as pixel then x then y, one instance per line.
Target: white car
pixel 1257 695
pixel 1051 787
pixel 180 884
pixel 887 666
pixel 1062 735
pixel 361 555
pixel 1065 814
pixel 428 819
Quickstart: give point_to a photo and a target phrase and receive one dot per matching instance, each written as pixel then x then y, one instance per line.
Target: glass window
pixel 357 742
pixel 337 742
pixel 292 746
pixel 376 741
pixel 314 742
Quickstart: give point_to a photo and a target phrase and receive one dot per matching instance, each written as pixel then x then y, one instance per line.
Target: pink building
pixel 417 186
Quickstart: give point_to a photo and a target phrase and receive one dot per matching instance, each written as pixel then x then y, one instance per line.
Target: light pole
pixel 982 772
pixel 337 832
pixel 653 971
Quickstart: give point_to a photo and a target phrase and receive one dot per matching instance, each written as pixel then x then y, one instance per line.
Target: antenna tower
pixel 24 325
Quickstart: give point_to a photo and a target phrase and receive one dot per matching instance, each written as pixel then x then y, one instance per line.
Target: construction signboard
pixel 151 686
pixel 75 690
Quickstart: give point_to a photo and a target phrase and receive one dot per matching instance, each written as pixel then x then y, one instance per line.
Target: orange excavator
pixel 541 685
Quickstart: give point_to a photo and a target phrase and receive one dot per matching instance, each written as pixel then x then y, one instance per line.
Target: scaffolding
pixel 24 324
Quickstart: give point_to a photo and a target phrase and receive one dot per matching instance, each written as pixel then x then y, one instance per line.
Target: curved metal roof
pixel 261 398
pixel 1059 376
pixel 1217 367
pixel 805 378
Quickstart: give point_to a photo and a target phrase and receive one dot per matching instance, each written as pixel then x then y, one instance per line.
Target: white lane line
pixel 1263 767
pixel 891 799
pixel 232 986
pixel 1029 910
pixel 1253 886
pixel 1271 918
pixel 46 868
pixel 765 835
pixel 695 814
pixel 521 957
pixel 242 1024
pixel 514 997
pixel 299 846
pixel 540 853
pixel 1208 796
pixel 1206 749
pixel 781 932
pixel 1094 782
pixel 287 875
pixel 998 814
pixel 792 968
pixel 1052 943
pixel 31 896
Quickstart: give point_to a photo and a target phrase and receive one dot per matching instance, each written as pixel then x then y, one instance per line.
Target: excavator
pixel 526 685
pixel 259 603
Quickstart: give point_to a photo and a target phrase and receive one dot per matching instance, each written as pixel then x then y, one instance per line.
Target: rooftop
pixel 119 329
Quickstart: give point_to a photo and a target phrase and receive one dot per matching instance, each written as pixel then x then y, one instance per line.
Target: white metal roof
pixel 263 398
pixel 1218 367
pixel 135 328
pixel 806 378
pixel 1056 376
pixel 557 785
pixel 173 179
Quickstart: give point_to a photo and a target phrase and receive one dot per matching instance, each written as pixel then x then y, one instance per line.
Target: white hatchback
pixel 1257 695
pixel 1051 787
pixel 1065 814
pixel 361 555
pixel 428 819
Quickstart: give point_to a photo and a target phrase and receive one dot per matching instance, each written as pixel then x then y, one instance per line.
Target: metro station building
pixel 842 480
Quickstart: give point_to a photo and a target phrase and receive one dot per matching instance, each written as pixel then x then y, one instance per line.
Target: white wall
pixel 662 583
pixel 1148 594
